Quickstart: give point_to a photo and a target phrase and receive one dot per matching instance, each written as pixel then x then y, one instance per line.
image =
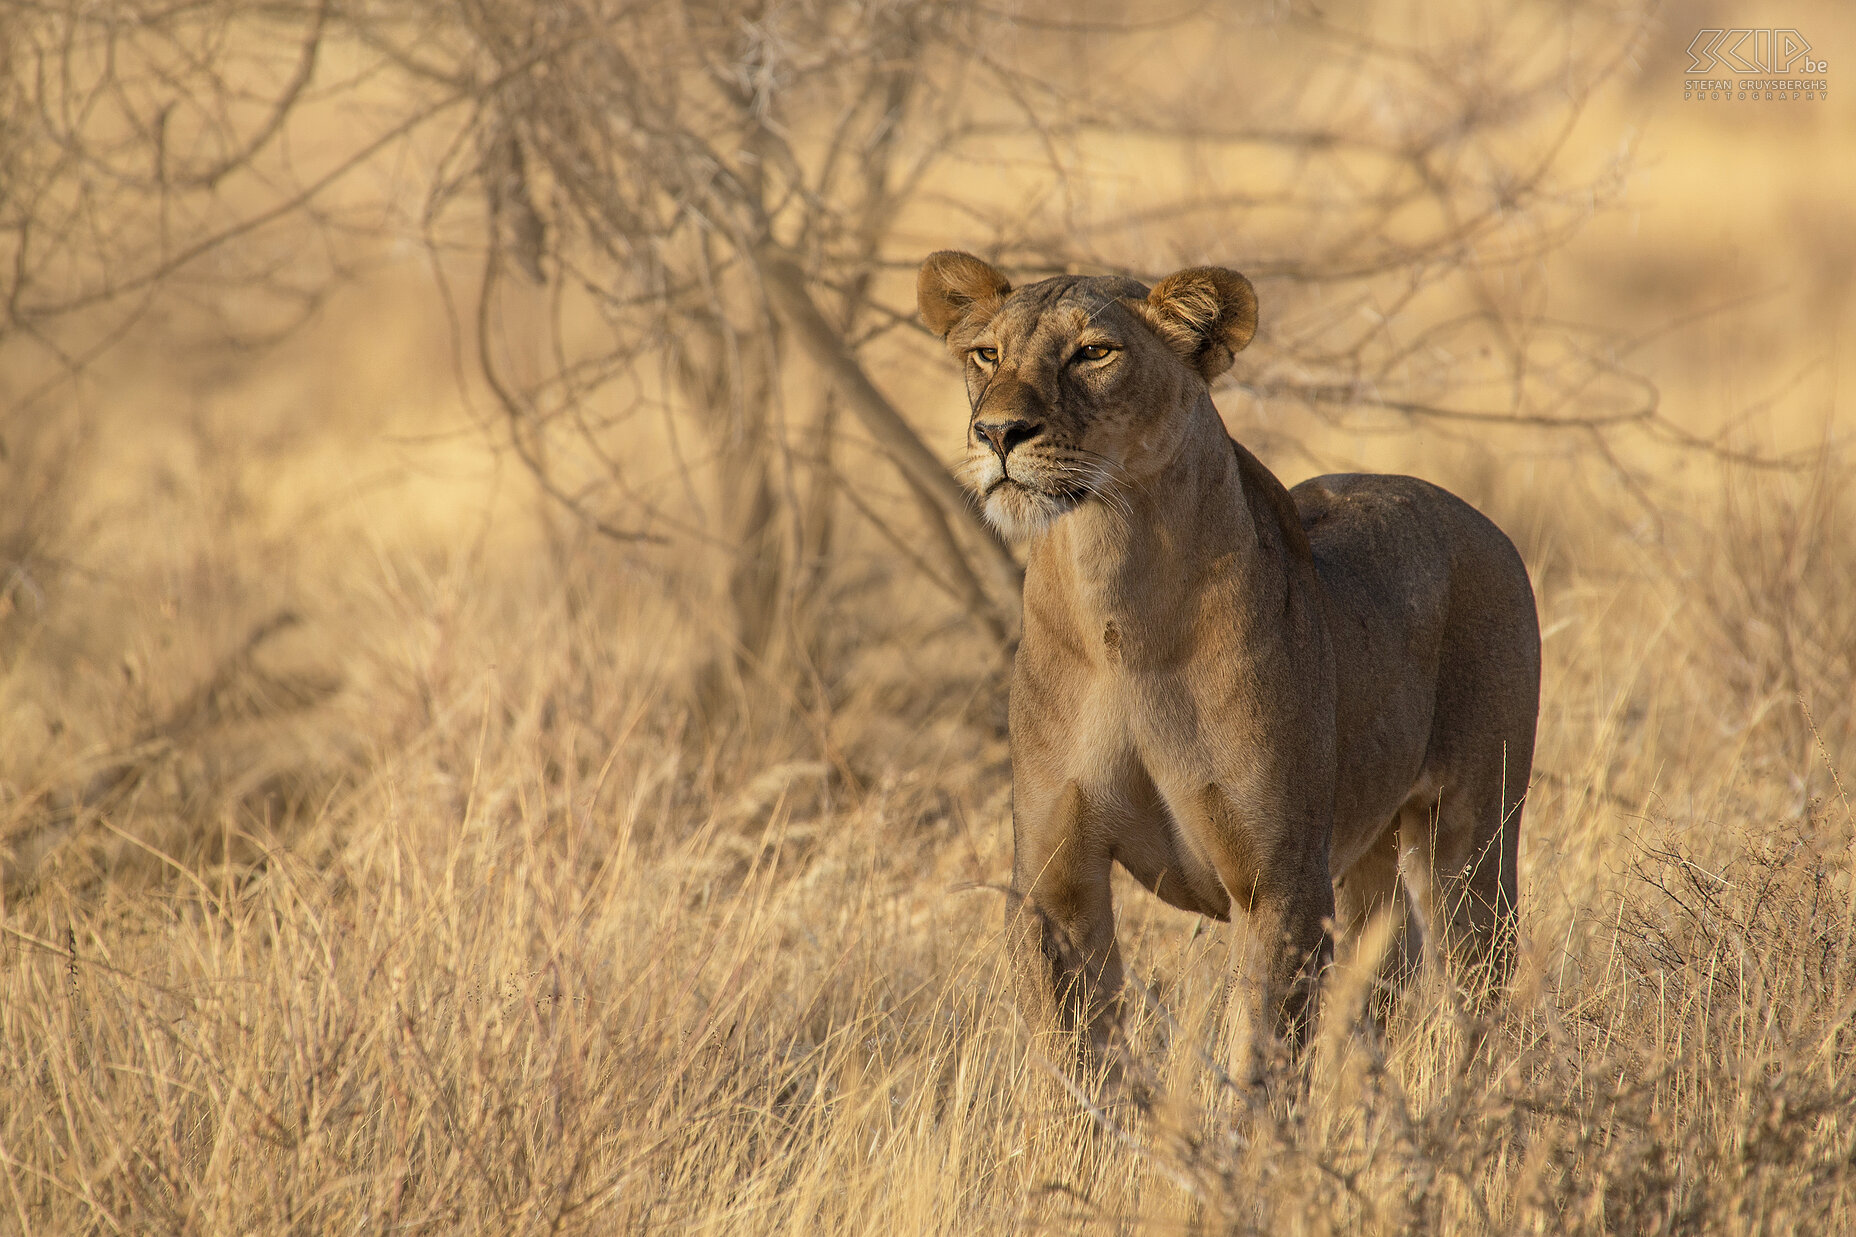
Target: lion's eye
pixel 1093 352
pixel 987 355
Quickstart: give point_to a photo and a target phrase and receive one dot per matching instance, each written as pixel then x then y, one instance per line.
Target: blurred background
pixel 428 430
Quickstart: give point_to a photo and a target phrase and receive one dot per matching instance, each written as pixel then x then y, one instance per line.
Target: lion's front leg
pixel 1282 912
pixel 1285 949
pixel 1061 930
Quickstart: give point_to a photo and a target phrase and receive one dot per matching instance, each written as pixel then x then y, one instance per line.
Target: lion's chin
pixel 1019 512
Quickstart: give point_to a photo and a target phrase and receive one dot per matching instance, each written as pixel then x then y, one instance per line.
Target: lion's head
pixel 1079 386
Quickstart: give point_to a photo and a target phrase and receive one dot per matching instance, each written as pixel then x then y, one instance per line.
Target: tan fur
pixel 1317 705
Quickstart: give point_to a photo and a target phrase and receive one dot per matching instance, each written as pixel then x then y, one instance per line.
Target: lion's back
pixel 1394 541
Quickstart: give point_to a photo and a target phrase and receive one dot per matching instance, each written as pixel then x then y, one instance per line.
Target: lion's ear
pixel 955 288
pixel 1206 314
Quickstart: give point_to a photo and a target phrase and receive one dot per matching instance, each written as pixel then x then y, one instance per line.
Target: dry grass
pixel 499 931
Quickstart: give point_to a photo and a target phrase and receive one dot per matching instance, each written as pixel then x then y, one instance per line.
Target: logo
pixel 1777 65
pixel 1752 51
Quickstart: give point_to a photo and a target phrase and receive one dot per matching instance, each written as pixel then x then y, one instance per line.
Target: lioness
pixel 1285 700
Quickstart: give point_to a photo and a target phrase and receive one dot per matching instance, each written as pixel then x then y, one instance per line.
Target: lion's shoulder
pixel 1271 502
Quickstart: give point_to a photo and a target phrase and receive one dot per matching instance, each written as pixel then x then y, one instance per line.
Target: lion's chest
pixel 1101 712
pixel 1143 744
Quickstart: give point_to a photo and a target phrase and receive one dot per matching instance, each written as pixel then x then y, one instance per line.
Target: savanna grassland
pixel 390 847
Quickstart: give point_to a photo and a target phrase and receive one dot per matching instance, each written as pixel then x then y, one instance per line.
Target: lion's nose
pixel 1004 435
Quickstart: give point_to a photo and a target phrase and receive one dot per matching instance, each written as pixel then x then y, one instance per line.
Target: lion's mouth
pixel 1070 494
pixel 1023 506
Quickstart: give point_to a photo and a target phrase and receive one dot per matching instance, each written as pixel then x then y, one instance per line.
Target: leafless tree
pixel 734 191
